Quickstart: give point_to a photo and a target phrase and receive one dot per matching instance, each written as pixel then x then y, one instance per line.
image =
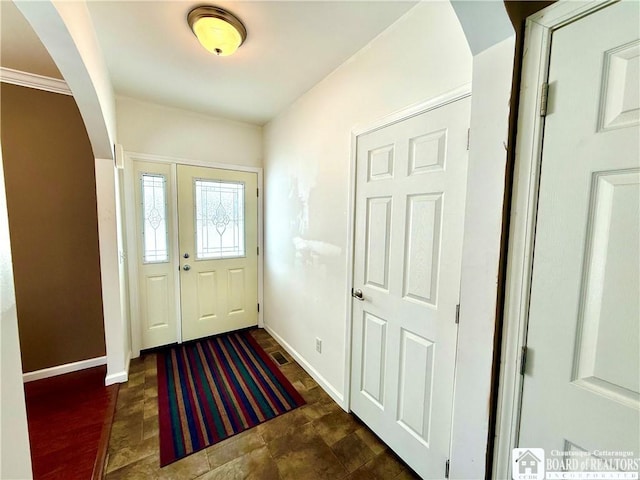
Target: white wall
pixel 115 329
pixel 156 129
pixel 307 161
pixel 15 458
pixel 492 73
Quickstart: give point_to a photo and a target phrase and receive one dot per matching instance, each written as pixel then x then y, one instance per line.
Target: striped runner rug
pixel 213 388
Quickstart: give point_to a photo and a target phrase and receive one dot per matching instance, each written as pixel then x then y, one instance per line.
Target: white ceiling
pixel 291 45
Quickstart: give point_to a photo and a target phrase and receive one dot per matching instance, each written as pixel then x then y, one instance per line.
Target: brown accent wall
pixel 51 200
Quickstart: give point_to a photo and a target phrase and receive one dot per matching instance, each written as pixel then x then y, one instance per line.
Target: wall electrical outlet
pixel 318 345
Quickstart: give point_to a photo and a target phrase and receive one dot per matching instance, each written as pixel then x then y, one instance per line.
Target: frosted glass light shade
pixel 218 31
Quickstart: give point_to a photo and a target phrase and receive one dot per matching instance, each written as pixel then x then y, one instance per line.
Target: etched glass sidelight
pixel 219 211
pixel 154 211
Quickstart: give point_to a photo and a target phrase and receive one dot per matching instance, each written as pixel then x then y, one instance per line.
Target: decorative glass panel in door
pixel 219 219
pixel 154 213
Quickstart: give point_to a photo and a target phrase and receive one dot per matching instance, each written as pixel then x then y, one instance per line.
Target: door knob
pixel 186 268
pixel 357 294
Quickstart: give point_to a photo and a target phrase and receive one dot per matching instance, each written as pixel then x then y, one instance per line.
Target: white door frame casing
pixel 451 96
pixel 132 243
pixel 537 45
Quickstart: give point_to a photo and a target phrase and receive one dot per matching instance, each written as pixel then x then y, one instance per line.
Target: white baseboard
pixel 119 377
pixel 326 386
pixel 62 369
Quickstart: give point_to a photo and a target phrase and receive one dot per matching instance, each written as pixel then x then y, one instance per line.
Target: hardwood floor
pixel 69 416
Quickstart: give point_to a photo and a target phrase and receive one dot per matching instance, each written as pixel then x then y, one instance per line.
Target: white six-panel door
pixel 410 191
pixel 581 389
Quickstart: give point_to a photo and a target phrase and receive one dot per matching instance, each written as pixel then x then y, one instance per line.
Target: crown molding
pixel 33 80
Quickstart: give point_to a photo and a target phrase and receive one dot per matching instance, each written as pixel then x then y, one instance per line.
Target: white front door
pixel 410 192
pixel 218 237
pixel 581 385
pixel 196 252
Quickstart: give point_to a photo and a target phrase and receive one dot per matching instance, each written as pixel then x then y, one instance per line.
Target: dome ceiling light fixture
pixel 219 32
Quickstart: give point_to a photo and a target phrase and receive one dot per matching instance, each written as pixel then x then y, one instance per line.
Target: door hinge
pixel 468 138
pixel 458 313
pixel 523 360
pixel 258 308
pixel 446 469
pixel 258 250
pixel 544 99
pixel 257 192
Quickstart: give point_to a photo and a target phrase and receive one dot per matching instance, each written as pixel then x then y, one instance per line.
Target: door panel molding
pixel 131 244
pixel 538 31
pixel 403 334
pixel 451 96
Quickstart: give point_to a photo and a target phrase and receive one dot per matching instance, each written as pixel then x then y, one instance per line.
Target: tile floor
pixel 316 441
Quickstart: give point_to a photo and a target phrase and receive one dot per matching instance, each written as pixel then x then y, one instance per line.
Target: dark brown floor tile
pixel 282 425
pixel 136 366
pixel 305 434
pixel 407 474
pixel 271 348
pixel 352 452
pixel 150 408
pixel 335 426
pixel 125 433
pixel 150 427
pixel 150 362
pixel 315 395
pixel 186 469
pixel 128 396
pixel 297 384
pixel 151 393
pixel 384 466
pixel 373 442
pixel 144 469
pixel 360 474
pixel 317 410
pixel 150 387
pixel 132 453
pixel 292 370
pixel 255 465
pixel 234 447
pixel 308 382
pixel 304 455
pixel 129 408
pixel 266 344
pixel 135 379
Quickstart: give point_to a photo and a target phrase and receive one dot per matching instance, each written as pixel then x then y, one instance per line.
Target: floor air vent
pixel 280 358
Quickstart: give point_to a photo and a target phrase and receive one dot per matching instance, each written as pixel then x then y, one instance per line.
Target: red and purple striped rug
pixel 213 388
